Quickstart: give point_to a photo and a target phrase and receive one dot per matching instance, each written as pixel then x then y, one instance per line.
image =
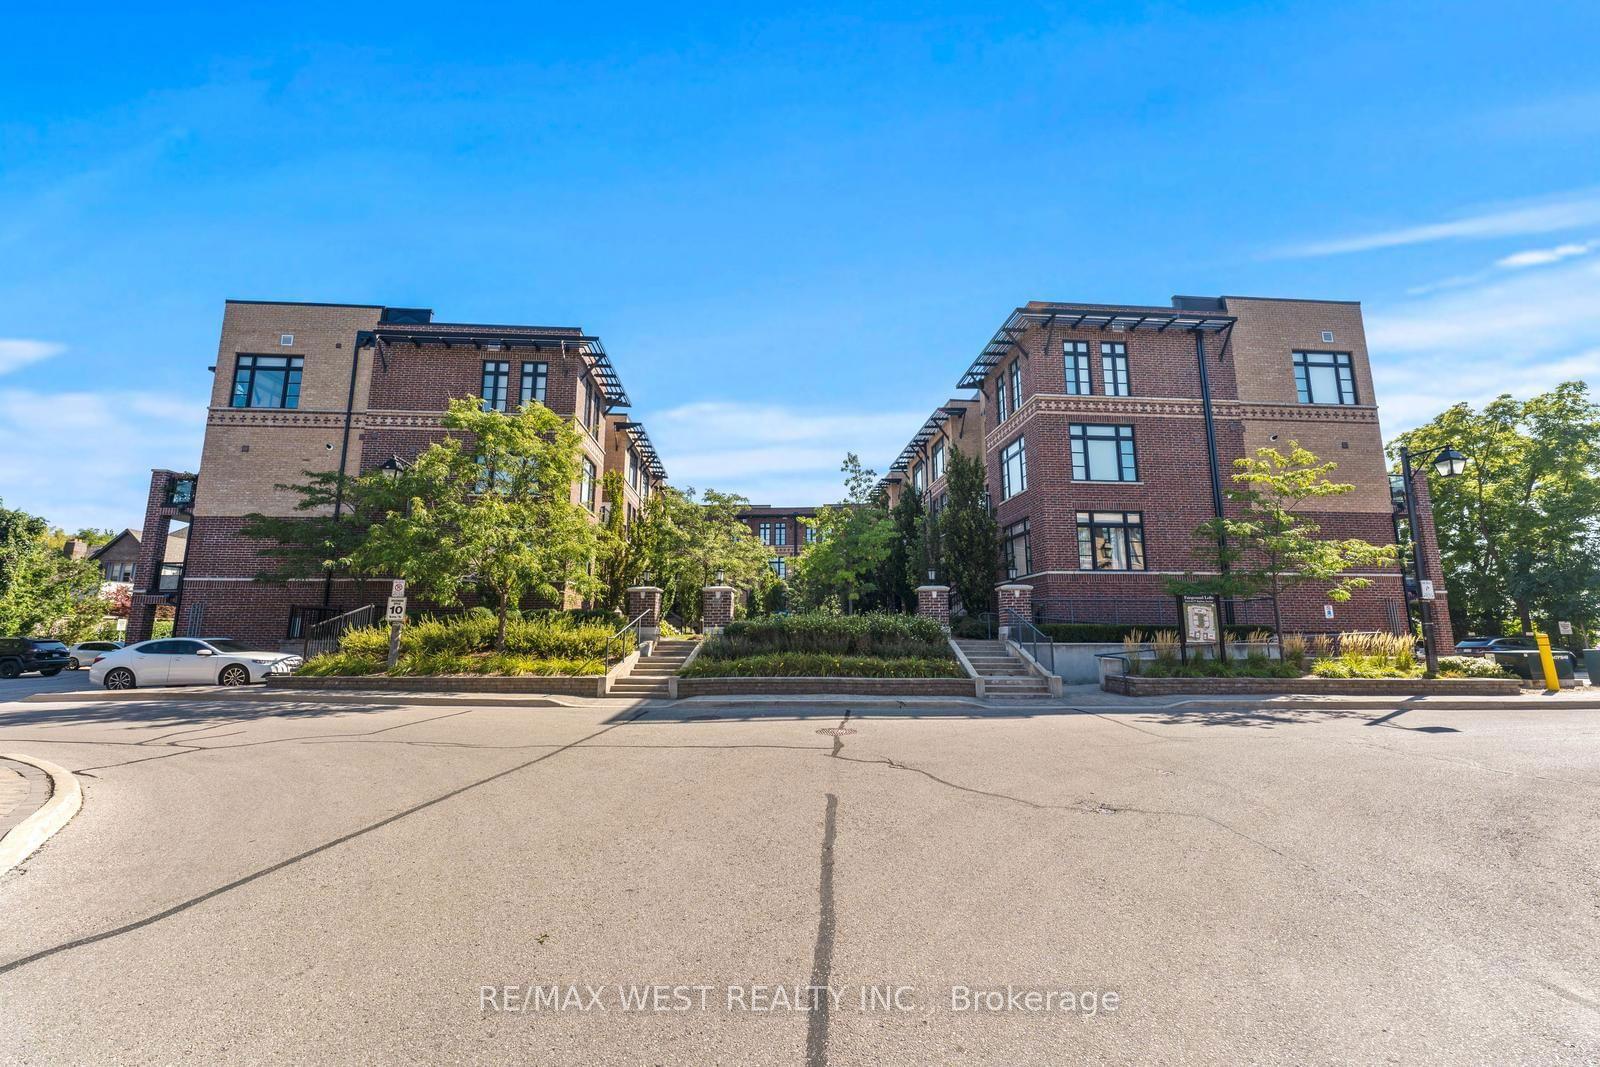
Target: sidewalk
pixel 23 790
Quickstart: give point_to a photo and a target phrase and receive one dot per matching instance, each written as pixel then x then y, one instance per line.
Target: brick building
pixel 329 387
pixel 781 530
pixel 1109 433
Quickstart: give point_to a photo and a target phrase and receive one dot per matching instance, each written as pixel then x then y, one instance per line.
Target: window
pixel 938 504
pixel 937 462
pixel 594 406
pixel 764 532
pixel 267 382
pixel 1014 545
pixel 1013 469
pixel 779 567
pixel 535 379
pixel 586 487
pixel 496 380
pixel 634 468
pixel 811 535
pixel 119 572
pixel 1110 541
pixel 1076 357
pixel 1103 454
pixel 1324 378
pixel 1000 399
pixel 582 409
pixel 1016 385
pixel 286 339
pixel 180 493
pixel 917 481
pixel 780 533
pixel 1114 367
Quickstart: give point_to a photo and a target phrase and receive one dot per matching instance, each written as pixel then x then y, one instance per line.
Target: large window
pixel 535 379
pixel 780 533
pixel 596 407
pixel 811 535
pixel 1013 469
pixel 1016 385
pixel 1076 357
pixel 764 532
pixel 1014 546
pixel 1114 367
pixel 586 487
pixel 1110 541
pixel 779 567
pixel 1324 378
pixel 496 383
pixel 1103 454
pixel 267 382
pixel 918 481
pixel 1000 411
pixel 936 463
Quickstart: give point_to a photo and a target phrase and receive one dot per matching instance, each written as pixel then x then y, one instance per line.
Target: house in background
pixel 118 558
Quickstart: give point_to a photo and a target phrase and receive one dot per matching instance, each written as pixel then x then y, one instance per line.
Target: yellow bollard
pixel 1552 681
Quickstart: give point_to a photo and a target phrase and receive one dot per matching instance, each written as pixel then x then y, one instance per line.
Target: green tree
pixel 967 534
pixel 312 543
pixel 42 591
pixel 1269 545
pixel 906 566
pixel 621 558
pixel 1517 531
pixel 688 541
pixel 496 516
pixel 853 544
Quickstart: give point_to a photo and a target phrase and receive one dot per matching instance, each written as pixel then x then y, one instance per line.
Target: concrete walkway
pixel 23 790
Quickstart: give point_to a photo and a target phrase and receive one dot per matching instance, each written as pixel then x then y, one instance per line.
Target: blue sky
pixel 793 228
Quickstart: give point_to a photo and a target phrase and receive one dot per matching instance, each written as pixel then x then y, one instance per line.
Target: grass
pixel 823 665
pixel 537 643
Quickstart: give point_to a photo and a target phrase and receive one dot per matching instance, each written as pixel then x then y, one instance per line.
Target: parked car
pixel 1483 646
pixel 18 655
pixel 84 653
pixel 188 661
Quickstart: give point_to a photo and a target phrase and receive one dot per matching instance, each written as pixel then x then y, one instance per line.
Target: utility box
pixel 1591 663
pixel 1525 664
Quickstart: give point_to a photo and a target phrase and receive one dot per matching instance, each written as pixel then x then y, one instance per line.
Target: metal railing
pixel 615 642
pixel 324 636
pixel 1028 636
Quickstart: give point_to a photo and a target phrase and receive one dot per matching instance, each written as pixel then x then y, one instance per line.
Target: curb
pixel 66 798
pixel 309 696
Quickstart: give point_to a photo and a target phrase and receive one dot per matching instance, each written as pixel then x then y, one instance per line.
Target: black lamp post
pixel 1447 463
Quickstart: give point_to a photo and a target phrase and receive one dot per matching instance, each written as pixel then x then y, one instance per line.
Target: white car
pixel 85 653
pixel 188 661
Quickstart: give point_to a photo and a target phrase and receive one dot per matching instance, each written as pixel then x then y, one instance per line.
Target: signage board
pixel 1327 611
pixel 1200 619
pixel 1427 588
pixel 397 589
pixel 397 609
pixel 1564 628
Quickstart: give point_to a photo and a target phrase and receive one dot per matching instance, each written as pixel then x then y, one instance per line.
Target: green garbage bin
pixel 1527 665
pixel 1591 663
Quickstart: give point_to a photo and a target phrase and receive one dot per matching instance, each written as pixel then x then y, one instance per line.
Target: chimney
pixel 75 549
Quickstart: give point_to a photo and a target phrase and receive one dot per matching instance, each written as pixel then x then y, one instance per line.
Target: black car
pixel 43 654
pixel 1484 646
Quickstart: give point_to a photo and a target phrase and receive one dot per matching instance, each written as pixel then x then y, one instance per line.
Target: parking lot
pixel 299 882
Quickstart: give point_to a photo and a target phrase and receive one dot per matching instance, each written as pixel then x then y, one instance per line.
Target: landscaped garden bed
pixel 550 644
pixel 1154 664
pixel 828 646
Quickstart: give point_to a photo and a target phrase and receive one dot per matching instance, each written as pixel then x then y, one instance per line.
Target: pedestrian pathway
pixel 23 790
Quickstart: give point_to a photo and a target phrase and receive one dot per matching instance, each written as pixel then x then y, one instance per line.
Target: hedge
pixel 821 665
pixel 873 634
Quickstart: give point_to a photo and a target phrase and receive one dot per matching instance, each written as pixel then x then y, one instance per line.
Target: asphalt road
pixel 255 883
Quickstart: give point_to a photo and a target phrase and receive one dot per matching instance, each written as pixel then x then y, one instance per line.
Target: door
pixel 151 663
pixel 186 666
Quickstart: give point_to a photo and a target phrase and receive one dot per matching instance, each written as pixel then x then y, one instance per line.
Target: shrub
pixel 875 634
pixel 540 635
pixel 341 663
pixel 970 626
pixel 1472 667
pixel 1110 633
pixel 822 665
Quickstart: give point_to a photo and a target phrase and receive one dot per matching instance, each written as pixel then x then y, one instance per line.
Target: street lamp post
pixel 1447 463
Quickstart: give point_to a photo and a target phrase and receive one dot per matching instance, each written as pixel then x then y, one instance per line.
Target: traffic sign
pixel 397 589
pixel 1427 589
pixel 397 609
pixel 1564 628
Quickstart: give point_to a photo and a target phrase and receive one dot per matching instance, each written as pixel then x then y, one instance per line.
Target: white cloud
pixel 84 458
pixel 16 352
pixel 1565 212
pixel 773 453
pixel 1516 331
pixel 1539 257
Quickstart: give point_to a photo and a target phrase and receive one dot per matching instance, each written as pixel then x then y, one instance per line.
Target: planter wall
pixel 592 686
pixel 954 687
pixel 1134 686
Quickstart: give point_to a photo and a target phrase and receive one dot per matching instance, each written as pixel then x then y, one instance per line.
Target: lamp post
pixel 1447 463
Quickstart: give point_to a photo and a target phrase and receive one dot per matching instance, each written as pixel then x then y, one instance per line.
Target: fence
pixel 324 636
pixel 1153 611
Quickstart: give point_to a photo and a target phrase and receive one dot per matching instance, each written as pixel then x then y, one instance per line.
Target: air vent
pixel 286 339
pixel 1327 337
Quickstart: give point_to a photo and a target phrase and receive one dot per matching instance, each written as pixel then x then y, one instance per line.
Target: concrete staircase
pixel 648 679
pixel 1003 674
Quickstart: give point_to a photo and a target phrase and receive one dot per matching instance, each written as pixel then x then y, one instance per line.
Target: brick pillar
pixel 1444 641
pixel 933 602
pixel 1013 596
pixel 159 513
pixel 645 599
pixel 716 608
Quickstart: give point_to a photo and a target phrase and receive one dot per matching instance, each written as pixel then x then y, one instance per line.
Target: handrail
pixel 1024 632
pixel 326 629
pixel 631 624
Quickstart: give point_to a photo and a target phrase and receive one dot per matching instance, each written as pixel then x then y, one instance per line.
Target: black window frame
pixel 1079 435
pixel 1008 537
pixel 537 374
pixel 1015 373
pixel 780 534
pixel 496 384
pixel 1114 377
pixel 1344 374
pixel 245 374
pixel 936 462
pixel 588 482
pixel 1075 368
pixel 1131 525
pixel 1020 444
